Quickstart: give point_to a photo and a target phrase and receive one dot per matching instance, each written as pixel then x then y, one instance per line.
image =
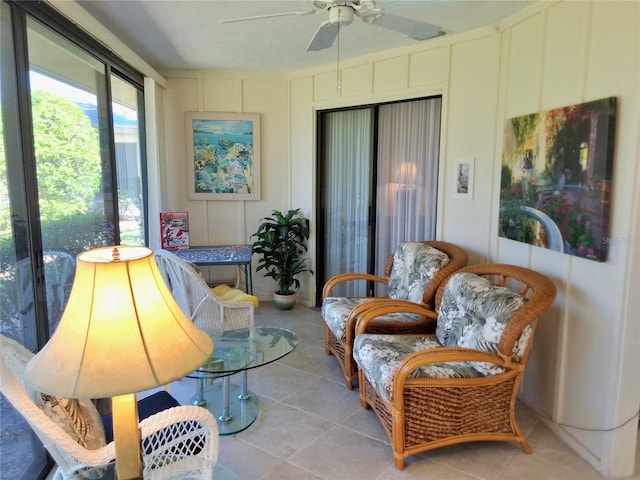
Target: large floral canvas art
pixel 556 181
pixel 223 153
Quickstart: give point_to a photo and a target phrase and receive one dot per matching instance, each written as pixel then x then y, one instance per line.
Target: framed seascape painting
pixel 223 154
pixel 556 179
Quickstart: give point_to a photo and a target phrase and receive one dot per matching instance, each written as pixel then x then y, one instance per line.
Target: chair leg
pixel 327 350
pixel 526 448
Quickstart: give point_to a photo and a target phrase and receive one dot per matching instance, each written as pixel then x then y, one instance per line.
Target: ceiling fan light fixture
pixel 341 15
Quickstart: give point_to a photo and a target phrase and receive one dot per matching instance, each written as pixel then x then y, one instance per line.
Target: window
pixel 72 177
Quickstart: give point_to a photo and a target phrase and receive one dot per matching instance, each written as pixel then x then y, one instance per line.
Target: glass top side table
pixel 236 351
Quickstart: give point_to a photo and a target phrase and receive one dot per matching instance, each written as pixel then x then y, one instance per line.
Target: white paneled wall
pixel 553 54
pixel 230 221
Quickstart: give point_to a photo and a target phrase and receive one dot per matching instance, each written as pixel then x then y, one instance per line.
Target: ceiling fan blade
pixel 324 37
pixel 269 15
pixel 412 28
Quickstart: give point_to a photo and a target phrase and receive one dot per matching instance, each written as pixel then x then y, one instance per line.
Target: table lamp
pixel 121 332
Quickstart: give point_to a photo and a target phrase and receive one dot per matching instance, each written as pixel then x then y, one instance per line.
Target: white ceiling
pixel 185 34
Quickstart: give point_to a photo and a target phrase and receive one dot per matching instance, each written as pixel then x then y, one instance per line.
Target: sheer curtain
pixel 347 172
pixel 407 162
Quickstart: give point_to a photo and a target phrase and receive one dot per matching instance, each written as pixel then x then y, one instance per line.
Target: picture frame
pixel 223 155
pixel 464 179
pixel 556 178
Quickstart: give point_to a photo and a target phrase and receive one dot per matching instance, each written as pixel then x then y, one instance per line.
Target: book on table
pixel 174 230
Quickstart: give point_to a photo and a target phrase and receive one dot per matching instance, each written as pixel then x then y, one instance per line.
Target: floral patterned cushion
pixel 336 310
pixel 414 265
pixel 473 314
pixel 379 357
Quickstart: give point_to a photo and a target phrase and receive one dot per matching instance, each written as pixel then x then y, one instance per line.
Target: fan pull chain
pixel 338 77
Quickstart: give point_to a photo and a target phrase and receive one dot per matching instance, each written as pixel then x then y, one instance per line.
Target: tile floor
pixel 311 427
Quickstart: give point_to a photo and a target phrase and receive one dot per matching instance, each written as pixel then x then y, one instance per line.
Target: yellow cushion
pixel 228 294
pixel 221 289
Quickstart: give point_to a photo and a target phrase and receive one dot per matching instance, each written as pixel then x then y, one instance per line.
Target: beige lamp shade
pixel 121 332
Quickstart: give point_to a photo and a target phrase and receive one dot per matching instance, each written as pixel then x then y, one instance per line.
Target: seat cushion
pixel 228 294
pixel 336 310
pixel 379 357
pixel 473 314
pixel 414 265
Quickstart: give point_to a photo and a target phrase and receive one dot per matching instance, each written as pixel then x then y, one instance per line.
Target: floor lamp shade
pixel 121 332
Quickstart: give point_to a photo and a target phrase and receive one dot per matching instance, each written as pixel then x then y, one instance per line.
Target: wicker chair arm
pixel 187 430
pixel 452 354
pixel 76 456
pixel 390 306
pixel 346 277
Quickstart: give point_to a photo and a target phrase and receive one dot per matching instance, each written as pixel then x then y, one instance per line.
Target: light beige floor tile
pixel 286 471
pixel 548 464
pixel 481 459
pixel 311 427
pixel 310 359
pixel 278 381
pixel 366 422
pixel 424 469
pixel 282 430
pixel 243 459
pixel 326 399
pixel 343 454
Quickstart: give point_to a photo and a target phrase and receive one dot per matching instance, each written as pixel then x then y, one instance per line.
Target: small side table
pixel 237 351
pixel 222 255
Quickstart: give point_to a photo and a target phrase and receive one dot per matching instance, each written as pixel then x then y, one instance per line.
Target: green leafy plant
pixel 281 242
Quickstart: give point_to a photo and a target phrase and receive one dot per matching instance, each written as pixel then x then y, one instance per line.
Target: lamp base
pixel 126 435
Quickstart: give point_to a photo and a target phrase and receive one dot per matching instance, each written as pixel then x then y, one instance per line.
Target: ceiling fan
pixel 343 12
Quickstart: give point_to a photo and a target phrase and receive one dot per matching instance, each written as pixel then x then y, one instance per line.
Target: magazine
pixel 174 232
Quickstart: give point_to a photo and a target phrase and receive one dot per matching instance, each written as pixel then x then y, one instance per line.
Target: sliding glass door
pixel 407 180
pixel 71 178
pixel 377 187
pixel 346 188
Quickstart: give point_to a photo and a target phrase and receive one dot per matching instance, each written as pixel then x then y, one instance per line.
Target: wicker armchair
pixel 174 434
pixel 202 306
pixel 421 268
pixel 196 299
pixel 459 384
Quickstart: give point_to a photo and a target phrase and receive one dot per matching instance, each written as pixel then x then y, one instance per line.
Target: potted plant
pixel 281 243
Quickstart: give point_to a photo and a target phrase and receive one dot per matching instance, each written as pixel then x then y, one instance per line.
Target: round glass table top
pixel 246 348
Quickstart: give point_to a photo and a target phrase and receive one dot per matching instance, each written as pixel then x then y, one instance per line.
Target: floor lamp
pixel 121 332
